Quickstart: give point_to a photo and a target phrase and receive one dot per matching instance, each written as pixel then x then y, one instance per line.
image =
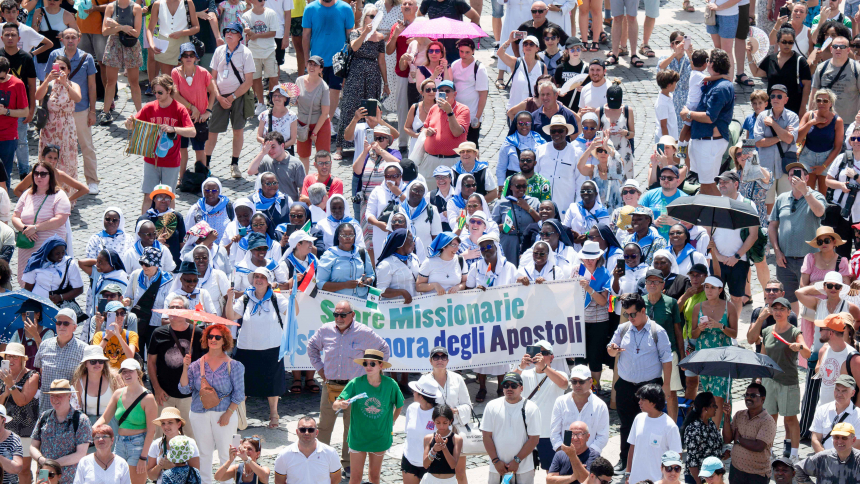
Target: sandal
pixel 273 422
pixel 611 60
pixel 752 21
pixel 603 37
pixel 500 84
pixel 623 52
pixel 744 80
pixel 481 395
pixel 312 387
pixel 336 156
pixel 688 7
pixel 296 387
pixel 635 61
pixel 593 47
pixel 645 50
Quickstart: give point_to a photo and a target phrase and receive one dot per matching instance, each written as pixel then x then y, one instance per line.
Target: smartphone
pixel 55 68
pixel 4 365
pixel 598 136
pixel 442 95
pixel 748 146
pixel 532 350
pixel 237 441
pixel 43 475
pixel 519 35
pixel 243 231
pixel 567 436
pixel 368 136
pixel 370 105
pixel 688 43
pixel 661 148
pixel 31 315
pixel 620 264
pixel 111 318
pixel 796 172
pixel 784 12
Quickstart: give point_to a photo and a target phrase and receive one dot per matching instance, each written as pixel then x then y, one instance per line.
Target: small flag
pixel 461 221
pixel 373 295
pixel 308 283
pixel 585 273
pixel 508 223
pixel 491 277
pixel 613 300
pixel 780 338
pixel 307 226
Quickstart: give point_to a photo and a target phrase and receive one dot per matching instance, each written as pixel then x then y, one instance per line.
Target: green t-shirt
pixel 781 354
pixel 689 304
pixel 371 419
pixel 665 313
pixel 539 187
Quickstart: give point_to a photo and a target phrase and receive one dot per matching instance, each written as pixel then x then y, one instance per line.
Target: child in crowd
pixel 261 26
pixel 698 63
pixel 758 99
pixel 664 107
pixel 230 11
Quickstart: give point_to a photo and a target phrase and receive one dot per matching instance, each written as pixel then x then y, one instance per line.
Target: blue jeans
pixel 7 156
pixel 22 153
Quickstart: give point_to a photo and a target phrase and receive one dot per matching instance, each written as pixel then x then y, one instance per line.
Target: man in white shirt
pixel 593 94
pixel 841 409
pixel 556 162
pixel 652 435
pixel 580 406
pixel 28 39
pixel 473 85
pixel 308 461
pixel 509 444
pixel 542 385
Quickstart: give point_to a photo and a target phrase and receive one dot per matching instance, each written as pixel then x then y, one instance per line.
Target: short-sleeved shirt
pixel 447 273
pixel 797 223
pixel 665 313
pixel 505 421
pixel 443 142
pixel 846 87
pixel 781 354
pixel 718 102
pixel 261 24
pixel 657 202
pixel 225 78
pixel 792 320
pixel 299 469
pixel 470 83
pixel 81 77
pixel 173 115
pixel 371 418
pixel 13 95
pixel 540 120
pixel 22 66
pixel 156 451
pixel 290 173
pixel 328 26
pixel 113 349
pixel 168 357
pixel 761 427
pixel 791 75
pixel 335 184
pixel 59 439
pixel 561 461
pixel 57 362
pixel 9 448
pixel 197 92
pixel 28 39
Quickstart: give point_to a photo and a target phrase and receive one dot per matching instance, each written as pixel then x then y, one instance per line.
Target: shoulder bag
pixel 342 60
pixel 785 158
pixel 208 396
pixel 131 407
pixel 143 308
pixel 21 240
pixel 249 98
pixel 142 139
pixel 70 303
pixel 473 437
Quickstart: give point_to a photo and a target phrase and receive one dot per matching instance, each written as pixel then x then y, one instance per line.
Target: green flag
pixel 508 223
pixel 373 295
pixel 307 226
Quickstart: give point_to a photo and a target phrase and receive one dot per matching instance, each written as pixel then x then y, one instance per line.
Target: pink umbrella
pixel 444 28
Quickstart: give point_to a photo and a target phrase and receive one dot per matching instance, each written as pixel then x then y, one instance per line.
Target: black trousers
pixel 628 408
pixel 144 331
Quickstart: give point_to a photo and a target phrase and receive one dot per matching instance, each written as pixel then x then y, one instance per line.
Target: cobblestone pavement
pixel 121 174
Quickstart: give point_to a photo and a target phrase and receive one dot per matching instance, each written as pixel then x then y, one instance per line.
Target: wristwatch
pixel 517 459
pixel 450 114
pixel 737 256
pixel 689 115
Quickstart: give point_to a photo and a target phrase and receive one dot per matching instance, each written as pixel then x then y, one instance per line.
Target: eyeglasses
pixel 771 290
pixel 668 178
pixel 213 190
pixel 323 163
pixel 216 337
pixel 776 96
pixel 834 286
pixel 586 128
pixel 41 174
pixel 524 123
pixel 470 185
pixel 547 234
pixel 188 55
pixel 786 42
pixel 259 225
pixel 392 177
pixel 306 430
pixel 551 37
pixel 673 468
pixel 64 323
pixel 631 256
pixel 342 315
pixel 654 283
pixel 578 382
pixel 629 192
pixel 371 364
pixel 381 138
pixel 631 315
pixel 440 357
pixel 538 10
pixel 822 101
pixel 511 385
pixel 434 51
pixel 752 395
pixel 101 437
pixel 825 240
pixel 521 186
pixel 430 89
pixel 271 183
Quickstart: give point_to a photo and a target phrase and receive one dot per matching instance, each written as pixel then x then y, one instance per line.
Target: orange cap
pixel 833 322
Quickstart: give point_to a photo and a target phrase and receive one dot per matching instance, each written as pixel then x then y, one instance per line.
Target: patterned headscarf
pixel 151 256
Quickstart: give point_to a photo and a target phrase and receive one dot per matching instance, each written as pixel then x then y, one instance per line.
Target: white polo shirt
pixel 308 470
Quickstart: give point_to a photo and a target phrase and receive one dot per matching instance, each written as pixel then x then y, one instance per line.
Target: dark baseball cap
pixel 437 350
pixel 655 273
pixel 782 302
pixel 700 268
pixel 729 175
pixel 513 377
pixel 317 60
pixel 672 168
pixel 572 41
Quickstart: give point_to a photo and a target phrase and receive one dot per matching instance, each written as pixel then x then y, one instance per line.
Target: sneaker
pixel 94 188
pixel 234 171
pixel 495 49
pixel 105 119
pixel 148 91
pixel 337 113
pixel 346 471
pixel 259 109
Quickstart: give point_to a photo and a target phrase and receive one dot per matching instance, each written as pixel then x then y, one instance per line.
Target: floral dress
pixel 715 338
pixel 281 125
pixel 682 89
pixel 363 82
pixel 702 440
pixel 389 18
pixel 60 131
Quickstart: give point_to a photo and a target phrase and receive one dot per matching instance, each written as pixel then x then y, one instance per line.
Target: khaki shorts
pixel 779 187
pixel 235 116
pixel 267 67
pixel 781 399
pixel 675 384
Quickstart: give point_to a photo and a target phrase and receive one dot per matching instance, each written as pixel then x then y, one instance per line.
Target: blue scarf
pixel 597 212
pixel 459 201
pixel 106 235
pixel 166 277
pixel 685 252
pixel 479 165
pixel 299 265
pixel 414 213
pixel 262 203
pixel 258 303
pixel 222 205
pixel 152 212
pixel 345 220
pixel 644 241
pixel 403 258
pixel 599 280
pixel 138 247
pixel 39 258
pixel 243 242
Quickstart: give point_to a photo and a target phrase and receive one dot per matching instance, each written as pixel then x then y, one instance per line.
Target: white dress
pixel 562 19
pixel 389 18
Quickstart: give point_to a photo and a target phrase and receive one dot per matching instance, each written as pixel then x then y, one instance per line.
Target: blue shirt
pixel 656 201
pixel 328 28
pixel 718 102
pixel 541 120
pixel 80 78
pixel 748 125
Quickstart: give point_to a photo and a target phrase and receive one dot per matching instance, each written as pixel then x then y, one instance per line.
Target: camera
pixel 853 188
pixel 358 198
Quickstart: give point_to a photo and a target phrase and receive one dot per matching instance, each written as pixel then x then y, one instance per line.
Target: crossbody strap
pixel 841 419
pixel 83 61
pixel 131 407
pixel 536 389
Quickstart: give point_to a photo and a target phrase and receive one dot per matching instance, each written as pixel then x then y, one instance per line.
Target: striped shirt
pixel 9 448
pixel 229 384
pixel 57 363
pixel 342 348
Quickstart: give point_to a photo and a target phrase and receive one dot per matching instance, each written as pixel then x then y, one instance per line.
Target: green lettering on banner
pixel 401 318
pixel 327 306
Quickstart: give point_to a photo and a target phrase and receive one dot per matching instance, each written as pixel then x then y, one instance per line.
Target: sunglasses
pixel 521 186
pixel 342 315
pixel 511 385
pixel 371 364
pixel 430 89
pixel 822 101
pixel 213 190
pixel 586 128
pixel 188 55
pixel 786 42
pixel 381 138
pixel 270 184
pixel 538 10
pixel 440 357
pixel 216 337
pixel 65 323
pixel 539 254
pixel 392 177
pixel 631 315
pixel 578 382
pixel 839 47
pixel 524 123
pixel 446 90
pixel 41 174
pixel 629 192
pixel 547 234
pixel 855 138
pixel 486 248
pixel 297 215
pixel 673 468
pixel 776 96
pixel 551 37
pixel 306 430
pixel 631 256
pixel 558 131
pixel 95 362
pixel 476 221
pixel 771 290
pixel 575 49
pixel 668 178
pixel 825 240
pixel 120 312
pixel 831 285
pixel 160 93
pixel 600 150
pixel 529 44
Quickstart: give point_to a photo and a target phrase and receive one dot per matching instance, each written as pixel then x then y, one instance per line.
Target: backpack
pixel 847 157
pixel 76 417
pixel 838 74
pixel 624 328
pixel 274 300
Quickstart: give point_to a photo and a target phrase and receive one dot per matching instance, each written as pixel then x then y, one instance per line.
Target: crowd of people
pixel 426 213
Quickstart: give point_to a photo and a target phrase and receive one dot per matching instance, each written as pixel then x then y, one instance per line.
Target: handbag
pixel 710 16
pixel 208 396
pixel 142 139
pixel 473 437
pixel 342 61
pixel 21 240
pixel 785 158
pixel 70 303
pixel 241 412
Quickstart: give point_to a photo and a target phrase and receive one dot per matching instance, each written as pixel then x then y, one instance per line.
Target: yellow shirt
pixel 298 10
pixel 113 350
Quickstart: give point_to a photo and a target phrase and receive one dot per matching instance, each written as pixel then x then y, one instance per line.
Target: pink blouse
pixel 816 274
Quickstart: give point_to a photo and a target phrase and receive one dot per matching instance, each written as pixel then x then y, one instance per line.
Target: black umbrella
pixel 711 211
pixel 730 361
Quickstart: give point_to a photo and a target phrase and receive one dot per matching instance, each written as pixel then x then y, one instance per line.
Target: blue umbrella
pixel 10 312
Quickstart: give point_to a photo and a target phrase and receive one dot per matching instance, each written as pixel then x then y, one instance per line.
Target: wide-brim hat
pixel 466 146
pixel 187 47
pixel 93 352
pixel 168 413
pixel 236 27
pixel 187 267
pixel 733 150
pixel 832 277
pixel 16 349
pixel 558 120
pixel 374 355
pixel 60 387
pixel 424 387
pixel 590 250
pixel 161 189
pixel 796 164
pixel 3 414
pixel 822 231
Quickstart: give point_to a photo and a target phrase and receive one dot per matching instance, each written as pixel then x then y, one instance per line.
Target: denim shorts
pixel 727 26
pixel 652 8
pixel 332 80
pixel 130 447
pixel 498 9
pixel 812 158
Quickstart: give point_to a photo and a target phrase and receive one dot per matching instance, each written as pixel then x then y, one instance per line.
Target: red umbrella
pixel 444 28
pixel 197 316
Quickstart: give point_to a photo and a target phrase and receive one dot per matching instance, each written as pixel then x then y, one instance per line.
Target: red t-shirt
pixel 13 95
pixel 174 115
pixel 335 188
pixel 400 49
pixel 443 142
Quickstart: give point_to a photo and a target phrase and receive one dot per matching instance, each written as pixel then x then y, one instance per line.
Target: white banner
pixel 479 328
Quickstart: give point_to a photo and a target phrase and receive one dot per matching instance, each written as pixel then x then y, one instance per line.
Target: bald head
pixel 579 436
pixel 539 10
